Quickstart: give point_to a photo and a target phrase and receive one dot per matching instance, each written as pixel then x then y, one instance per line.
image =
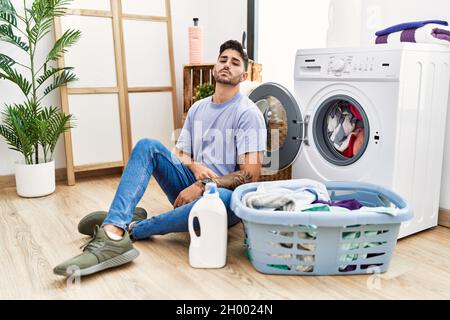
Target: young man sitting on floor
pixel 222 141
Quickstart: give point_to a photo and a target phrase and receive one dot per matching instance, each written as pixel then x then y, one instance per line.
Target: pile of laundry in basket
pixel 307 195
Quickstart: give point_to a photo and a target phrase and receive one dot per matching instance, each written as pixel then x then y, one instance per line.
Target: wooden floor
pixel 37 234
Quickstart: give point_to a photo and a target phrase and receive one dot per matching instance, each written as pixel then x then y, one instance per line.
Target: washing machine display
pixel 341 130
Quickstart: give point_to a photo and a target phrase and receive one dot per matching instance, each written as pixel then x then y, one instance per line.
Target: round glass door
pixel 341 130
pixel 276 119
pixel 283 122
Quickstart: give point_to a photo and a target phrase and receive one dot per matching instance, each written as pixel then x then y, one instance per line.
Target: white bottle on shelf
pixel 209 249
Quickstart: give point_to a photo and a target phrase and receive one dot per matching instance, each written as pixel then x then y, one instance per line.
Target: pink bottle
pixel 195 43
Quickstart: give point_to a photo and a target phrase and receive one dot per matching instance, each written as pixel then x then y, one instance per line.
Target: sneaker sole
pixel 111 263
pixel 87 224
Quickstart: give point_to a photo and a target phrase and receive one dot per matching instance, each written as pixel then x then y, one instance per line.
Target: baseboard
pixel 61 175
pixel 444 217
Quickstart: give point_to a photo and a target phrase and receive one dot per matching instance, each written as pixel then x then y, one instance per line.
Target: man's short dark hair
pixel 235 45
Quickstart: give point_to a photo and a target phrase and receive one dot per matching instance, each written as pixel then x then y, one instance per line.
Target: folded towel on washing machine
pixel 409 25
pixel 289 196
pixel 430 33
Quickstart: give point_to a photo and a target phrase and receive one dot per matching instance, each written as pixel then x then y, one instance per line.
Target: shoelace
pixel 92 244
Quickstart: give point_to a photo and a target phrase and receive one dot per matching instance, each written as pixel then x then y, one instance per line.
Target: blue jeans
pixel 150 157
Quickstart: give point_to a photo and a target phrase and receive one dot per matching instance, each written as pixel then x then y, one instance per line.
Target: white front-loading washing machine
pixel 374 114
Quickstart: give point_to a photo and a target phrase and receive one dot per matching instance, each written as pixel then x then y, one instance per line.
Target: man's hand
pixel 189 194
pixel 201 172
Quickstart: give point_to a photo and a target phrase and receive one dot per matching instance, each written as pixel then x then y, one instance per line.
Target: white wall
pixel 373 15
pixel 220 20
pixel 284 27
pixel 344 23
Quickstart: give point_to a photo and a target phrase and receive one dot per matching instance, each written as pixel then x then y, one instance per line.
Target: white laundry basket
pixel 327 242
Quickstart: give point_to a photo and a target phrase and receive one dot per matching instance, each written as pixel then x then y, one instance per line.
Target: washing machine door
pixel 284 122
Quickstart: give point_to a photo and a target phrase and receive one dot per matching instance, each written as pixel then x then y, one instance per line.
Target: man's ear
pixel 244 76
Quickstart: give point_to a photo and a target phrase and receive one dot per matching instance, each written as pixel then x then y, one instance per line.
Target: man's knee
pixel 225 196
pixel 148 145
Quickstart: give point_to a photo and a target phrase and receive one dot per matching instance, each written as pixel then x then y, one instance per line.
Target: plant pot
pixel 35 180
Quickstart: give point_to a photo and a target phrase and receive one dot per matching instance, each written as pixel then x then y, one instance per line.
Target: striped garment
pixel 430 33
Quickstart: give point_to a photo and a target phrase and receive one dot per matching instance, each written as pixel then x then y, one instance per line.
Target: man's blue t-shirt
pixel 216 134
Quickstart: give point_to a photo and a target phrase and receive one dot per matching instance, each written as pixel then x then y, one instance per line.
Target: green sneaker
pixel 99 254
pixel 87 225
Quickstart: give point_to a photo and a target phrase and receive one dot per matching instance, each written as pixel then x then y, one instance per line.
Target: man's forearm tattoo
pixel 234 179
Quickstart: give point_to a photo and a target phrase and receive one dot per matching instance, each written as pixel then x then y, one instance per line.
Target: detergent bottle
pixel 209 248
pixel 195 43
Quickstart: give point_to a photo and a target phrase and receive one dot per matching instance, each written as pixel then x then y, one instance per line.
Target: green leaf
pixel 50 72
pixel 6 62
pixel 60 80
pixel 204 90
pixel 40 29
pixel 18 127
pixel 69 38
pixel 41 129
pixel 6 5
pixel 11 138
pixel 40 9
pixel 7 35
pixel 52 123
pixel 17 78
pixel 43 12
pixel 8 13
pixel 8 18
pixel 48 9
pixel 60 7
pixel 60 124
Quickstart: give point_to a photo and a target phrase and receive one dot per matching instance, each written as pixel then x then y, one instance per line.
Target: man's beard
pixel 227 81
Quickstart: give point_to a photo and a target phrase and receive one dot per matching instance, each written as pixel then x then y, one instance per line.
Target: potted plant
pixel 29 127
pixel 204 90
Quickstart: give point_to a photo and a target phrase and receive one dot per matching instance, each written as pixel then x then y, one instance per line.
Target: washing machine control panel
pixel 359 65
pixel 339 65
pixel 336 65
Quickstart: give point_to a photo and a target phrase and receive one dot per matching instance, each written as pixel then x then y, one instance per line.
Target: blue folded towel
pixel 409 25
